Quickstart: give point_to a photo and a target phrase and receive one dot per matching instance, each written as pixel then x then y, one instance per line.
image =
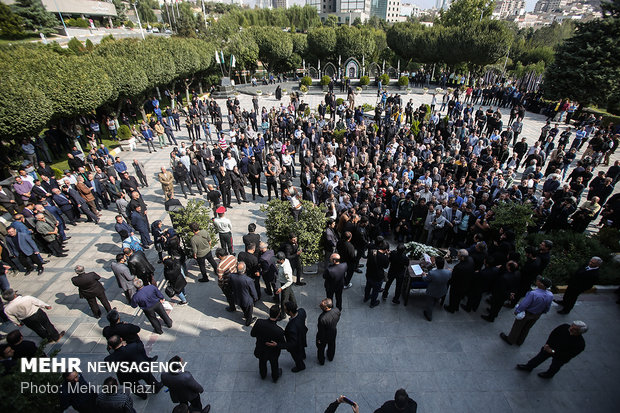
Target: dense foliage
pixel 309 229
pixel 196 211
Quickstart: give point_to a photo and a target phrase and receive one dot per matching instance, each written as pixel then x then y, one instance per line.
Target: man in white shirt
pixel 285 278
pixel 230 162
pixel 223 226
pixel 27 310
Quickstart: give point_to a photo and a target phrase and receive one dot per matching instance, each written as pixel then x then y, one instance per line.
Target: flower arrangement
pixel 259 92
pixel 358 90
pixel 416 251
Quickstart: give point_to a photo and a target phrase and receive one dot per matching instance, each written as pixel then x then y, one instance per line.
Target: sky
pixel 424 4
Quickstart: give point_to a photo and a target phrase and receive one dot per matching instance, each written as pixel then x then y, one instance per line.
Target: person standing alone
pixel 327 330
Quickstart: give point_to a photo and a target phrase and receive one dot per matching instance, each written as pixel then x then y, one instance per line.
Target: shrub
pixel 124 132
pixel 77 23
pixel 57 173
pixel 572 250
pixel 304 89
pixel 338 135
pixel 364 81
pixel 367 107
pixel 385 79
pixel 306 81
pixel 309 229
pixel 325 80
pixel 415 127
pixel 129 24
pixel 195 211
pixel 339 101
pixel 403 81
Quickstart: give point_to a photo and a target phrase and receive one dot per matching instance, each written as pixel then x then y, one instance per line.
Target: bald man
pixel 334 277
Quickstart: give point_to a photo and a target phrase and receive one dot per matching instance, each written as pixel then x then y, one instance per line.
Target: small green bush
pixel 385 79
pixel 124 132
pixel 364 81
pixel 306 81
pixel 367 108
pixel 82 23
pixel 403 81
pixel 309 229
pixel 338 134
pixel 195 211
pixel 325 80
pixel 57 173
pixel 303 89
pixel 339 101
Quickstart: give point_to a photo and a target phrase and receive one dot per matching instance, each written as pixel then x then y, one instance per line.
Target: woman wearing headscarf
pixel 174 275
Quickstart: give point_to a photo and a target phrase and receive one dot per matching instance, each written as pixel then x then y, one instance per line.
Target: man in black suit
pixel 244 292
pixel 295 333
pixel 7 200
pixel 268 268
pixel 64 203
pixel 269 342
pixel 312 195
pixel 183 386
pixel 462 274
pixel 334 276
pixel 326 332
pixel 132 353
pixel 293 255
pixel 581 281
pixel 91 289
pixel 346 250
pixel 127 331
pixel 21 348
pixel 252 238
pixel 564 343
pixel 378 261
pixel 140 266
pixel 252 267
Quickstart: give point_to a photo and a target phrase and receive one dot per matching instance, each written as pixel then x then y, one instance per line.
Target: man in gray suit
pixel 437 288
pixel 124 278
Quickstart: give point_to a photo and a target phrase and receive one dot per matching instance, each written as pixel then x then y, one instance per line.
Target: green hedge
pixel 572 250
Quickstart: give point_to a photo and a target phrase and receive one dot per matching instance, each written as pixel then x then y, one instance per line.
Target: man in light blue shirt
pixel 528 311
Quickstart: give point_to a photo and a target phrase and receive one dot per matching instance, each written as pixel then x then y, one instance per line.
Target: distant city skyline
pixel 423 4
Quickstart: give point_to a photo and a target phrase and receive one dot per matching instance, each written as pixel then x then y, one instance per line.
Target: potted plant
pixel 128 142
pixel 306 81
pixel 283 92
pixel 425 90
pixel 364 81
pixel 403 82
pixel 259 92
pixel 358 90
pixel 304 89
pixel 325 81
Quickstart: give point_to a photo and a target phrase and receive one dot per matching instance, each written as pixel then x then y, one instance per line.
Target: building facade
pixel 508 8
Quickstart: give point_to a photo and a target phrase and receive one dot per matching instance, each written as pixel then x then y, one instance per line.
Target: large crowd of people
pixel 385 176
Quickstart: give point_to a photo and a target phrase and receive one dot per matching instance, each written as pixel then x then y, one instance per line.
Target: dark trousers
pixel 330 294
pixel 456 295
pixel 143 180
pixel 299 355
pixel 225 191
pixel 570 297
pixel 257 286
pixel 92 302
pixel 270 286
pixel 399 285
pixel 41 324
pixel 431 302
pixel 255 183
pixel 28 260
pixel 271 185
pixel 239 193
pixel 247 312
pixel 228 293
pixel 285 296
pixel 372 290
pixel 183 183
pixel 201 184
pixel 351 267
pixel 520 328
pixel 331 349
pixel 226 242
pixel 555 366
pixel 275 368
pixel 202 263
pixel 152 312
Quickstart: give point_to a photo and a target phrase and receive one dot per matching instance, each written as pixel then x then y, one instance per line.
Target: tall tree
pixel 587 65
pixel 11 25
pixel 464 12
pixel 35 17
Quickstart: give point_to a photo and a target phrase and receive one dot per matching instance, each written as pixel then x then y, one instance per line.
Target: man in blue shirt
pixel 528 311
pixel 150 299
pixel 120 166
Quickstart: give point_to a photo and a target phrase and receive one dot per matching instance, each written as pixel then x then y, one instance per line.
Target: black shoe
pixel 203 280
pixel 300 283
pixel 231 309
pixel 250 321
pixel 563 312
pixel 560 302
pixel 427 316
pixel 67 238
pixel 505 338
pixel 448 309
pixel 376 303
pixel 524 367
pixel 464 307
pixel 182 303
pixel 545 375
pixel 366 299
pixel 395 301
pixel 61 255
pixel 158 386
pixel 384 297
pixel 322 363
pixel 358 271
pixel 27 272
pixel 487 318
pixel 40 271
pixel 296 370
pixel 279 375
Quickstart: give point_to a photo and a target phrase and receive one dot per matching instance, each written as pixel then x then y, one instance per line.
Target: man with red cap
pixel 223 227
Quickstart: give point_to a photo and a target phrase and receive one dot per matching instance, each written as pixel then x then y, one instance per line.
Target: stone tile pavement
pixel 456 363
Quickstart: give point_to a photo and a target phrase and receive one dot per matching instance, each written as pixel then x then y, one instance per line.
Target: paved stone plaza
pixel 457 363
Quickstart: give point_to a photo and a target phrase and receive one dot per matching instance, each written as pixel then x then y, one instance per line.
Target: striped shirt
pixel 226 265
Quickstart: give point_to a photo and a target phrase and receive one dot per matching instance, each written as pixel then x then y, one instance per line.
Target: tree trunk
pixel 158 92
pixel 200 88
pixel 173 95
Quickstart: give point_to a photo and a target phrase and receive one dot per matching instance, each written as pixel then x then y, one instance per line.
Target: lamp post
pixel 139 23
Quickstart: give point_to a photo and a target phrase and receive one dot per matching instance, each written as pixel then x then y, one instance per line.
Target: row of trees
pixel 42 84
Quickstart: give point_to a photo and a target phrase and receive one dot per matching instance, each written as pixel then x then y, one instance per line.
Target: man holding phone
pixel 342 399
